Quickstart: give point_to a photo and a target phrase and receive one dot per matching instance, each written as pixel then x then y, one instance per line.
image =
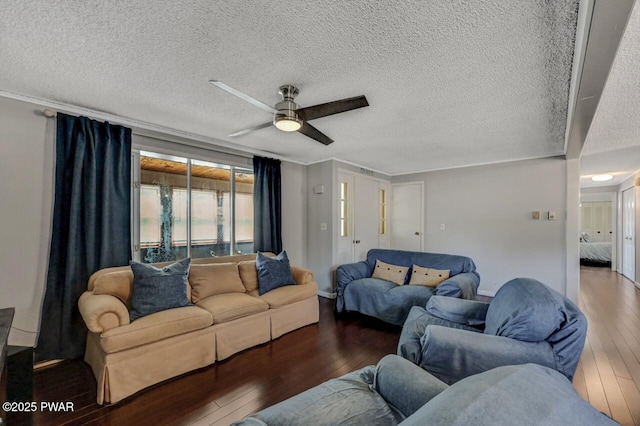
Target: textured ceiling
pixel 450 83
pixel 613 141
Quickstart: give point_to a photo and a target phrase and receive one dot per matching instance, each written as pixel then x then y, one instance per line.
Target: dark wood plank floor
pixel 228 390
pixel 608 375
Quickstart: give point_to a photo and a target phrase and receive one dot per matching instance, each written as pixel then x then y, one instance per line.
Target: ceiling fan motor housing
pixel 287 107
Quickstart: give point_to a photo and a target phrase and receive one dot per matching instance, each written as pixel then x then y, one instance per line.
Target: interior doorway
pixel 598 213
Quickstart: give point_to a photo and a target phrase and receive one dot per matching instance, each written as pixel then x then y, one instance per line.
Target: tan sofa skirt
pixel 290 317
pixel 124 373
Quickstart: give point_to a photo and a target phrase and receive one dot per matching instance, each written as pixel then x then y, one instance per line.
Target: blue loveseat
pixel 526 322
pixel 398 392
pixel 357 291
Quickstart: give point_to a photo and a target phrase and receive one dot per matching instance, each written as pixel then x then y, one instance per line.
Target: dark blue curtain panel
pixel 91 225
pixel 267 205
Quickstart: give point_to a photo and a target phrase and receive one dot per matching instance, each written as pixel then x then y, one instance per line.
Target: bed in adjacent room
pixel 594 252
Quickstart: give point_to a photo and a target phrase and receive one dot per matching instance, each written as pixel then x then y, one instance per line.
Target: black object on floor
pixel 19 373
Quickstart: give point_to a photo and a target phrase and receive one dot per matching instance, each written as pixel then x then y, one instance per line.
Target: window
pixel 150 216
pixel 344 209
pixel 189 207
pixel 383 211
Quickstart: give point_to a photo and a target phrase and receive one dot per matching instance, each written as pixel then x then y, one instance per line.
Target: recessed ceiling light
pixel 601 178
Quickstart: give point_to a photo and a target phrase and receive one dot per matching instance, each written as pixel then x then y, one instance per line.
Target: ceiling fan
pixel 289 117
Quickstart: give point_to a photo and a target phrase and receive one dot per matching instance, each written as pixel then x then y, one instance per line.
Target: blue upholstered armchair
pixel 357 291
pixel 526 322
pixel 398 392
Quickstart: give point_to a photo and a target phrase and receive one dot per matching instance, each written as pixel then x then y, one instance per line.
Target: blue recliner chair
pixel 398 392
pixel 526 322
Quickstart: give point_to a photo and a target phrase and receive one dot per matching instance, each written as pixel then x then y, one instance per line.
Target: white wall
pixel 320 210
pixel 294 212
pixel 26 186
pixel 486 211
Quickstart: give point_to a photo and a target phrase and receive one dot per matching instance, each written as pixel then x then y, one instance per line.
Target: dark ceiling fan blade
pixel 310 131
pixel 245 131
pixel 330 108
pixel 244 97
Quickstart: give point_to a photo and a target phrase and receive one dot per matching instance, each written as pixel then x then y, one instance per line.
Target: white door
pixel 345 218
pixel 407 212
pixel 384 233
pixel 367 215
pixel 628 233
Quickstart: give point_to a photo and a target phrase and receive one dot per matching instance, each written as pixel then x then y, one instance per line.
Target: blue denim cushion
pixel 156 289
pixel 273 272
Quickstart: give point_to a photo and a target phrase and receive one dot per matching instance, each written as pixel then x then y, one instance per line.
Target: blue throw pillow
pixel 155 290
pixel 273 272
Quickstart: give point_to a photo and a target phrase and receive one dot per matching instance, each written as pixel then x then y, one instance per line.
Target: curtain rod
pixel 188 139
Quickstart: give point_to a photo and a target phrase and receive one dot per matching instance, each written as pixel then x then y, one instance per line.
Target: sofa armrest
pixel 344 275
pixel 102 312
pixel 301 275
pixel 452 354
pixel 462 286
pixel 404 385
pixel 460 311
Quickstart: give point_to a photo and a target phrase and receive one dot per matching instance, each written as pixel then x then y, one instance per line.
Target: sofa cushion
pixel 118 284
pixel 392 273
pixel 229 306
pixel 273 272
pixel 287 295
pixel 248 274
pixel 155 327
pixel 214 278
pixel 428 276
pixel 157 289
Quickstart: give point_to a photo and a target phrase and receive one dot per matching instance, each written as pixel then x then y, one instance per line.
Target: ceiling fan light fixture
pixel 602 178
pixel 287 123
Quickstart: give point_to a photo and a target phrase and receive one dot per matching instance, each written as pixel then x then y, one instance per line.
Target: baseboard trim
pixel 43 364
pixel 487 293
pixel 327 295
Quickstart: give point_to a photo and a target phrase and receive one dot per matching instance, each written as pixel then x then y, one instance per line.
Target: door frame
pixel 336 204
pixel 421 185
pixel 622 230
pixel 616 220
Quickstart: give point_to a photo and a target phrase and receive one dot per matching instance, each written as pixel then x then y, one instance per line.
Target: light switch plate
pixel 551 215
pixel 535 215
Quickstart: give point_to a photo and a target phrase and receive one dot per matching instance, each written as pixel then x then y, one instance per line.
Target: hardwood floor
pixel 608 375
pixel 228 390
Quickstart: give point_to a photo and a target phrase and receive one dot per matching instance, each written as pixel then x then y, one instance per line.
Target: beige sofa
pixel 228 316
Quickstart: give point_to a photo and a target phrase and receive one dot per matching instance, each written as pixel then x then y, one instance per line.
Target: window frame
pixel 233 167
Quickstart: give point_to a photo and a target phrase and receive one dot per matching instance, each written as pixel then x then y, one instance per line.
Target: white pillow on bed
pixel 586 237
